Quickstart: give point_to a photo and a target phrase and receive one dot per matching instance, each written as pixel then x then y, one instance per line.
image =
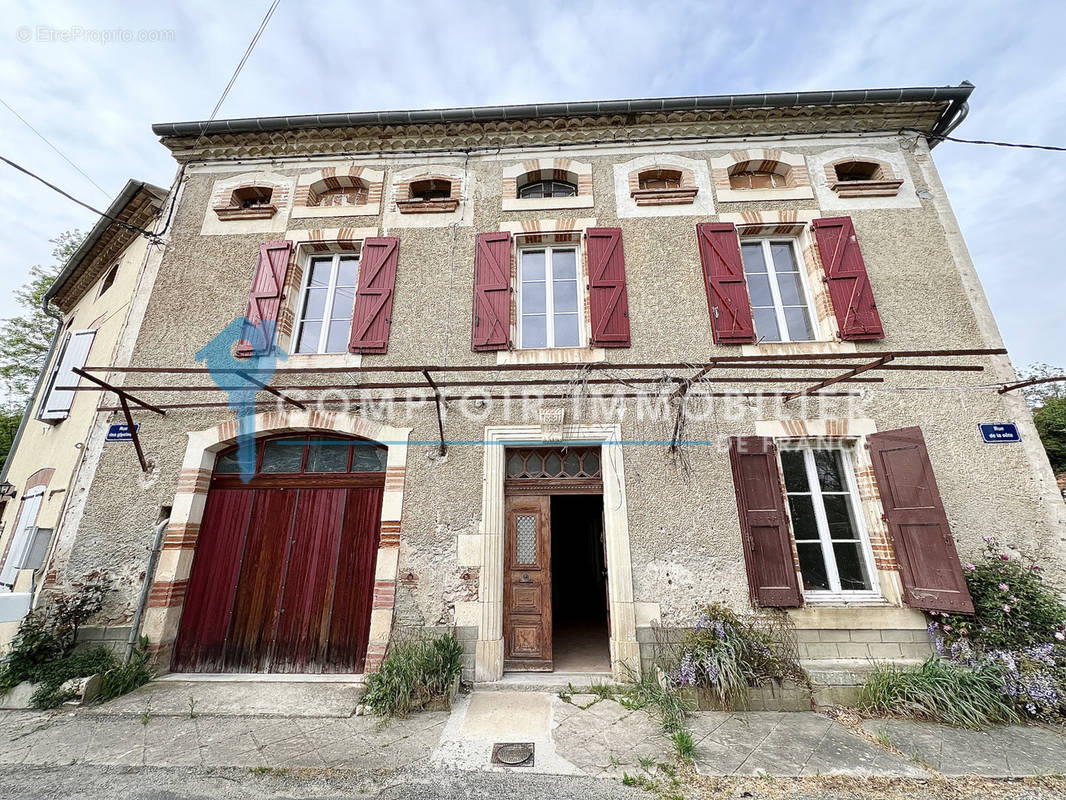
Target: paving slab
pixel 236 698
pixel 1000 751
pixel 608 740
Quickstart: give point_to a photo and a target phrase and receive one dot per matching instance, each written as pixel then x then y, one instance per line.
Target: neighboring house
pixel 670 252
pixel 93 293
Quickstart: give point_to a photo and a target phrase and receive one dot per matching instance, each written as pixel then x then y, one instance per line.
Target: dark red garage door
pixel 283 576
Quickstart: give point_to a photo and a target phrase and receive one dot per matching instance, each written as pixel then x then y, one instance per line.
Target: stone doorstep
pixel 546 682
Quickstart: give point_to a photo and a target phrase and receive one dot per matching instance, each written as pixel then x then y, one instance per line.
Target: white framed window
pixel 550 303
pixel 836 561
pixel 22 535
pixel 327 298
pixel 777 284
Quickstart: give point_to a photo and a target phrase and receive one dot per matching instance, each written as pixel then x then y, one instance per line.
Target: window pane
pixel 804 525
pixel 788 284
pixel 799 325
pixel 564 295
pixel 320 270
pixel 564 264
pixel 533 298
pixel 532 265
pixel 315 304
pixel 830 469
pixel 348 272
pixel 784 256
pixel 327 455
pixel 368 458
pixel 227 463
pixel 850 566
pixel 591 463
pixel 759 288
pixel 515 465
pixel 534 332
pixel 566 332
pixel 283 455
pixel 795 471
pixel 343 303
pixel 838 514
pixel 812 566
pixel 766 325
pixel 339 336
pixel 753 257
pixel 309 333
pixel 532 190
pixel 525 547
pixel 572 464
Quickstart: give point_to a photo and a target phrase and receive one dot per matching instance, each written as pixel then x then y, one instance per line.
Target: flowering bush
pixel 727 653
pixel 1019 623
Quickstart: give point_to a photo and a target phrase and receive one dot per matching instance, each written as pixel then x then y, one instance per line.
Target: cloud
pixel 96 101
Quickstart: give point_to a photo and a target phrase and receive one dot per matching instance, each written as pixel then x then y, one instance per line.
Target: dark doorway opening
pixel 580 631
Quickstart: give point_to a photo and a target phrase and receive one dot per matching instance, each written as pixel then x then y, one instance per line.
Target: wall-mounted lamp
pixel 7 491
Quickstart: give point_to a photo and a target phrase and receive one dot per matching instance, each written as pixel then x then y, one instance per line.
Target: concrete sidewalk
pixel 158 726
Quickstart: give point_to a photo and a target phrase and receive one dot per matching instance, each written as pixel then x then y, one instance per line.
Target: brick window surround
pixel 878 179
pixel 790 168
pixel 409 199
pixel 311 188
pixel 249 201
pixel 538 169
pixel 681 186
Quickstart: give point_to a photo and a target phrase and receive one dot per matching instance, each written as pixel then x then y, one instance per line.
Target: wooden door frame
pixel 625 652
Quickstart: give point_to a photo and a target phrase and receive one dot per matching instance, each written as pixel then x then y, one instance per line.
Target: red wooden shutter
pixel 849 285
pixel 264 299
pixel 763 523
pixel 727 291
pixel 491 328
pixel 928 562
pixel 372 315
pixel 608 301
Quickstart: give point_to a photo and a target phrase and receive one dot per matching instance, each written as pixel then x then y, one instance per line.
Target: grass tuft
pixel 939 691
pixel 416 671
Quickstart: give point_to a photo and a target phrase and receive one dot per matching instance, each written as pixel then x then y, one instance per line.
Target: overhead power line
pixel 42 137
pixel 942 138
pixel 153 238
pixel 240 66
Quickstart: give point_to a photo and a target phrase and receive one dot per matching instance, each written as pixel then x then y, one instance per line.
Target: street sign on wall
pixel 998 432
pixel 120 432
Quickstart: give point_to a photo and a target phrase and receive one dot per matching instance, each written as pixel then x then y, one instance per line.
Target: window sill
pixel 427 206
pixel 552 355
pixel 664 197
pixel 226 213
pixel 866 188
pixel 845 600
pixel 303 360
pixel 797 348
pixel 539 203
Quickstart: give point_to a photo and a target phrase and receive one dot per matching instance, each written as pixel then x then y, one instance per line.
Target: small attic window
pixel 660 179
pixel 430 189
pixel 537 189
pixel 858 171
pixel 757 179
pixel 251 197
pixel 109 280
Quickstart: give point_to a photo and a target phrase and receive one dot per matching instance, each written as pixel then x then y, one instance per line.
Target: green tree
pixel 25 339
pixel 1050 421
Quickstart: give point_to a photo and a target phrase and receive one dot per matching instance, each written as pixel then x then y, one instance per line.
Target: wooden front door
pixel 283 576
pixel 527 586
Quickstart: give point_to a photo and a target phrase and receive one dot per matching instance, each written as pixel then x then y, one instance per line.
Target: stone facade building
pixel 533 374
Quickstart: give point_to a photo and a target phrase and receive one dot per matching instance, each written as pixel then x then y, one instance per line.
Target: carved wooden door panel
pixel 527 594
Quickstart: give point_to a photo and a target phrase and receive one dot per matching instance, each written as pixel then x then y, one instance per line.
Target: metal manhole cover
pixel 513 754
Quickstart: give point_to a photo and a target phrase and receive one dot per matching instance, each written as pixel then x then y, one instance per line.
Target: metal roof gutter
pixel 955 95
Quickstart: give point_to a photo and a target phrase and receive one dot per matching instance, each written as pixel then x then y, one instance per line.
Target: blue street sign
pixel 997 432
pixel 120 432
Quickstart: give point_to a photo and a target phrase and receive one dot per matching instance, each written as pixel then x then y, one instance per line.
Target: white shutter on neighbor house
pixel 20 541
pixel 57 401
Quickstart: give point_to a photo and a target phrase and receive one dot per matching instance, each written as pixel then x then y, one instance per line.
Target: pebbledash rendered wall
pixel 684 545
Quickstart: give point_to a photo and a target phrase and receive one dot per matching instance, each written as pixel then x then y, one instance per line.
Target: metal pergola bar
pixel 1033 382
pixel 839 378
pixel 124 399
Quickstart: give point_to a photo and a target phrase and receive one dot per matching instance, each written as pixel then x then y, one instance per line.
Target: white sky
pixel 95 99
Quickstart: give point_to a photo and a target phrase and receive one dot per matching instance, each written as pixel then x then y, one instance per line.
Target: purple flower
pixel 1003 587
pixel 1006 607
pixel 686 674
pixel 970 567
pixel 1004 557
pixel 987 539
pixel 719 629
pixel 1060 635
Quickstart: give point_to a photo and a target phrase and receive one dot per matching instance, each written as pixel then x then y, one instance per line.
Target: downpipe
pixel 146 588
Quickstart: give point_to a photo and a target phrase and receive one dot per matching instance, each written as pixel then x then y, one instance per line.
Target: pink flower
pixel 1060 635
pixel 986 538
pixel 970 567
pixel 1004 557
pixel 1003 587
pixel 947 628
pixel 1006 608
pixel 1035 566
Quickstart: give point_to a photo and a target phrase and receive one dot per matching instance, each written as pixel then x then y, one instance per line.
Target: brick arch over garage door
pixel 167 598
